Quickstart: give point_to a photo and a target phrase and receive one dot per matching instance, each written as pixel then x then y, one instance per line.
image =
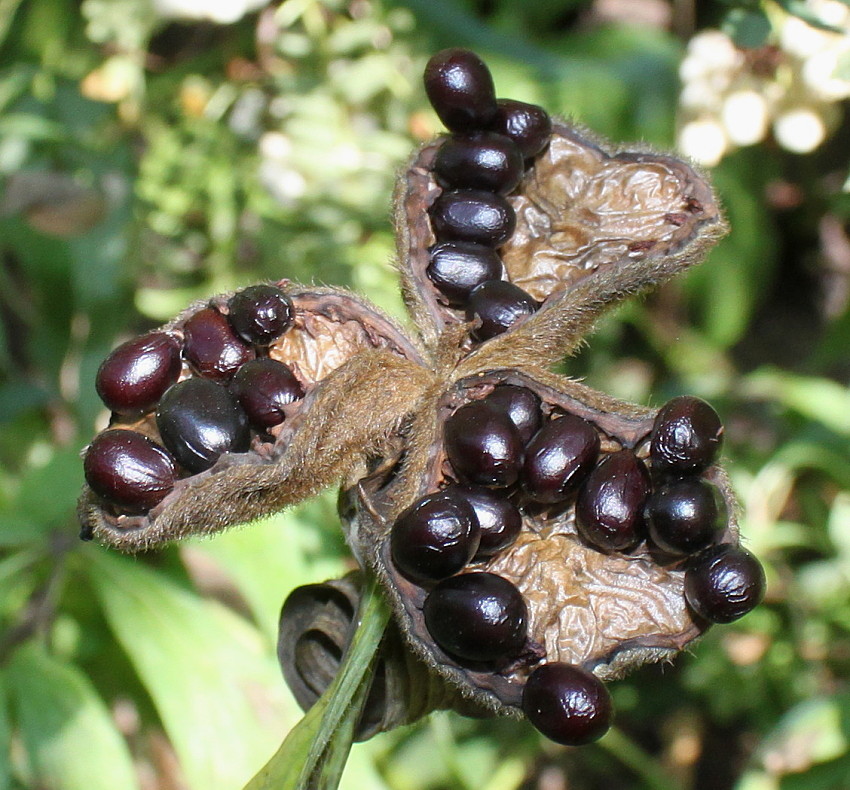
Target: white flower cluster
pixel 732 97
pixel 222 12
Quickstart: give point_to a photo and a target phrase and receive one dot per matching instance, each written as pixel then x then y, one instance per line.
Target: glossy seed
pixel 558 458
pixel 528 125
pixel 260 314
pixel 723 583
pixel 682 515
pixel 499 520
pixel 435 537
pixel 136 374
pixel 458 267
pixel 211 346
pixel 129 470
pixel 521 405
pixel 477 617
pixel 264 387
pixel 609 507
pixel 472 215
pixel 487 161
pixel 460 89
pixel 199 420
pixel 686 436
pixel 567 704
pixel 496 306
pixel 483 445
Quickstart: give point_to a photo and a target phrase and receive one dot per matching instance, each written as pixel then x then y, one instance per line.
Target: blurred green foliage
pixel 146 162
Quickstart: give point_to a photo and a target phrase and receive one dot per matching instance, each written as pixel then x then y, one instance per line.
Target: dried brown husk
pixel 592 228
pixel 362 377
pixel 609 613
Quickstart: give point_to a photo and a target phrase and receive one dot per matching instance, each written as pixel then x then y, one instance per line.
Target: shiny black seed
pixel 499 521
pixel 483 445
pixel 472 215
pixel 199 420
pixel 521 405
pixel 567 704
pixel 460 88
pixel 496 306
pixel 260 314
pixel 723 583
pixel 134 376
pixel 686 436
pixel 558 458
pixel 682 515
pixel 487 161
pixel 435 537
pixel 211 346
pixel 609 507
pixel 458 267
pixel 477 617
pixel 129 470
pixel 528 125
pixel 263 388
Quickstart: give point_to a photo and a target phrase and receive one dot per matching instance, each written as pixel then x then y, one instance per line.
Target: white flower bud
pixel 745 116
pixel 799 130
pixel 703 141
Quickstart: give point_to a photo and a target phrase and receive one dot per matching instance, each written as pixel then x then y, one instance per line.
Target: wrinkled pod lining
pixel 317 623
pixel 606 611
pixel 340 350
pixel 625 220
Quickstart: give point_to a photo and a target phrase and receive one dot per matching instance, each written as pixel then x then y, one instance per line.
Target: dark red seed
pixel 477 617
pixel 609 507
pixel 472 215
pixel 686 436
pixel 260 314
pixel 435 537
pixel 212 347
pixel 499 521
pixel 528 125
pixel 483 445
pixel 460 88
pixel 558 458
pixel 567 704
pixel 521 405
pixel 264 387
pixel 723 583
pixel 487 161
pixel 496 306
pixel 682 515
pixel 458 267
pixel 136 374
pixel 199 420
pixel 129 470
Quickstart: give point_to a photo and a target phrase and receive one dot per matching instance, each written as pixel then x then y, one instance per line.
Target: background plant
pixel 148 160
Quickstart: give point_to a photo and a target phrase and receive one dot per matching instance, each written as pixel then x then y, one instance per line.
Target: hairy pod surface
pixel 548 479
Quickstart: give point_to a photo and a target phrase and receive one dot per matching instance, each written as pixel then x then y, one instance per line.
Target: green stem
pixel 619 745
pixel 314 752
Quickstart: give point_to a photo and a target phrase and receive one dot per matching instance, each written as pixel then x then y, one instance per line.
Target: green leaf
pixel 816 398
pixel 327 729
pixel 801 9
pixel 66 729
pixel 218 692
pixel 748 29
pixel 811 733
pixel 5 737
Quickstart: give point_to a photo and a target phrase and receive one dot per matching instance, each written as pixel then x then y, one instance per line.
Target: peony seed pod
pixel 454 412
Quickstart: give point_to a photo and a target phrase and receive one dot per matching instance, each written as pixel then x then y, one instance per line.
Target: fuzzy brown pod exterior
pixel 534 537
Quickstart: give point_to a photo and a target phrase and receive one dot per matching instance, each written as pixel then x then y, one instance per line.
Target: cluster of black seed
pixel 209 386
pixel 506 458
pixel 493 141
